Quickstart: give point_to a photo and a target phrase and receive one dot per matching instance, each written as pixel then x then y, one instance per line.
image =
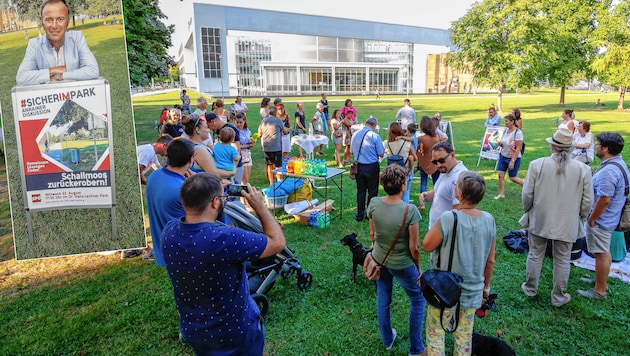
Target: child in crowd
pixel 246 144
pixel 336 135
pixel 225 155
pixel 318 126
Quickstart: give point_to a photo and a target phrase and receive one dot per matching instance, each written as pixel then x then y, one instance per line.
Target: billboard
pixel 64 143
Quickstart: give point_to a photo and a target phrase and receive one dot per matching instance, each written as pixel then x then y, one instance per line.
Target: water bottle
pixel 310 130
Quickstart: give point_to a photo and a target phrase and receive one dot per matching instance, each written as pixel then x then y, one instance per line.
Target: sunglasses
pixel 441 160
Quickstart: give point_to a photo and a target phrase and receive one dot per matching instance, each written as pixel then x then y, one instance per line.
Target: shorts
pixel 598 239
pixel 504 163
pixel 273 158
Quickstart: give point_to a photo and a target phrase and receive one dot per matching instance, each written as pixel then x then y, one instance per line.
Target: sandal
pixel 500 196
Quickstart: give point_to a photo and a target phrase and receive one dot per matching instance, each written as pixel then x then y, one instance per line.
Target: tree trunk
pixel 562 94
pixel 500 98
pixel 622 94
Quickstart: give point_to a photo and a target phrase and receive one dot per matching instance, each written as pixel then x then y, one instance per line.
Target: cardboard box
pixel 303 216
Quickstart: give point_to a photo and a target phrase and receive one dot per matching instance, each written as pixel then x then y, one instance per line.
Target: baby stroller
pixel 263 273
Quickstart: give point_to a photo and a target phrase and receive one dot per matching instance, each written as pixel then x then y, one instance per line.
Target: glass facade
pixel 278 64
pixel 315 80
pixel 211 52
pixel 281 80
pixel 249 53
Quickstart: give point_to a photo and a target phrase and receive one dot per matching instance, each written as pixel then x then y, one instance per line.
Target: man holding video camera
pixel 205 261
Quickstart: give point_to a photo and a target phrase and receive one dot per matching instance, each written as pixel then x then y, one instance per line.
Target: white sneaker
pixel 393 339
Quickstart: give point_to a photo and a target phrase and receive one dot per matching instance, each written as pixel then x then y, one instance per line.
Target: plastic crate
pixel 277 202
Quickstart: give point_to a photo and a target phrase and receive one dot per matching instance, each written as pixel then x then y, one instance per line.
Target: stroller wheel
pixel 262 302
pixel 304 280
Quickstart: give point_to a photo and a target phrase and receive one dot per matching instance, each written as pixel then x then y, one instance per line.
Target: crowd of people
pixel 591 206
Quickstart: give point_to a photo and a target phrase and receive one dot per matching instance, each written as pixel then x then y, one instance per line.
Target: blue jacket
pixel 40 56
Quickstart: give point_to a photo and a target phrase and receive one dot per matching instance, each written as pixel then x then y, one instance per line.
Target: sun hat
pixel 562 138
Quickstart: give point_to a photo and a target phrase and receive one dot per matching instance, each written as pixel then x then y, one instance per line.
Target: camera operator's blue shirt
pixel 205 262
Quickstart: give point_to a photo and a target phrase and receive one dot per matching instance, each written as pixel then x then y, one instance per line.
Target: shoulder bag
pixel 441 288
pixel 354 167
pixel 624 219
pixel 371 268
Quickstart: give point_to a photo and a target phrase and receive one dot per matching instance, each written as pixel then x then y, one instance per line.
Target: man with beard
pixel 205 261
pixel 442 197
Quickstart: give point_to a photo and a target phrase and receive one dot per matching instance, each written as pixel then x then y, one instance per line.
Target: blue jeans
pixel 405 196
pixel 253 343
pixel 424 179
pixel 407 279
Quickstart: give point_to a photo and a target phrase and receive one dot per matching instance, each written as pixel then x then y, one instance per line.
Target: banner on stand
pixel 64 142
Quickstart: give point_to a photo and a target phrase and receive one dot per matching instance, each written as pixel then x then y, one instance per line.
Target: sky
pixel 438 14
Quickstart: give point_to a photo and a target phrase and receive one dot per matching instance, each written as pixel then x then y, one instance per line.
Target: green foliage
pixel 103 7
pixel 522 43
pixel 613 35
pixel 147 41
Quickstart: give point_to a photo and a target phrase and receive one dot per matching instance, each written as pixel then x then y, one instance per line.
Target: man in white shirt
pixel 443 195
pixel 406 115
pixel 147 155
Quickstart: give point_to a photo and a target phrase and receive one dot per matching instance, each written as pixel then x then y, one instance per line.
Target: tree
pixel 29 9
pixel 499 42
pixel 613 36
pixel 568 48
pixel 103 8
pixel 147 41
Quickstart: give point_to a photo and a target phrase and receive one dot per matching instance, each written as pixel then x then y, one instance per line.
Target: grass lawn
pixel 101 305
pixel 84 230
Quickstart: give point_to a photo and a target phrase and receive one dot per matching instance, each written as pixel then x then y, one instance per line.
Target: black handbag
pixel 441 288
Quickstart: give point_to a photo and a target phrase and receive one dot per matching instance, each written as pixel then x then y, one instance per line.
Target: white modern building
pixel 232 51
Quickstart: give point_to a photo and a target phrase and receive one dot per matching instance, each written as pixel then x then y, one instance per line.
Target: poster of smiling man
pixel 74 186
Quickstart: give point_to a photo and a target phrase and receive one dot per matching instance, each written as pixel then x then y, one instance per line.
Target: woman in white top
pixel 584 144
pixel 568 120
pixel 219 109
pixel 510 156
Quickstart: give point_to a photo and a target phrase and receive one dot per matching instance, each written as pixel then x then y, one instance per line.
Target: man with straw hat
pixel 557 196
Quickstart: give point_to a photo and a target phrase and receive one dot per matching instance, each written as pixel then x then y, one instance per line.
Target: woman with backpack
pixel 400 151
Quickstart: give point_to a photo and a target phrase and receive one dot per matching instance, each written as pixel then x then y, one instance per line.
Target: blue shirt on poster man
pixel 371 147
pixel 608 181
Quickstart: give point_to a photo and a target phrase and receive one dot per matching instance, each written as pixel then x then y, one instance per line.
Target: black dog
pixel 358 252
pixel 483 345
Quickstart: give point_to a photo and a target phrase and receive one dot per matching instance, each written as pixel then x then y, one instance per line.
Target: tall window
pixel 316 80
pixel 211 52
